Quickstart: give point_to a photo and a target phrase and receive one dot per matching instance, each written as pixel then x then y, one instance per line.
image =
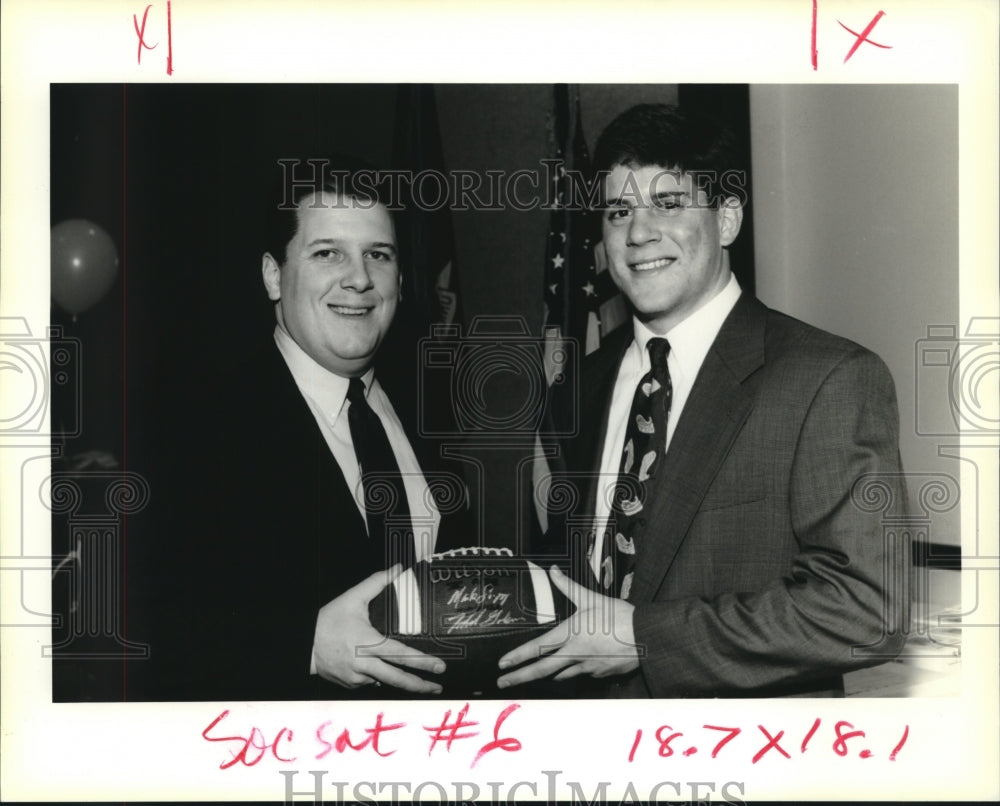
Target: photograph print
pixel 400 391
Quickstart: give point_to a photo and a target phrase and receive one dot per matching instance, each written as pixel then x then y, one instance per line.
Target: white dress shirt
pixel 690 341
pixel 326 395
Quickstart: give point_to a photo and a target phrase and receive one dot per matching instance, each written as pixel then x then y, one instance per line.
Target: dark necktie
pixel 645 443
pixel 387 511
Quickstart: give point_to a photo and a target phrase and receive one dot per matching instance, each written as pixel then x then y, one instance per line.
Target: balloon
pixel 84 264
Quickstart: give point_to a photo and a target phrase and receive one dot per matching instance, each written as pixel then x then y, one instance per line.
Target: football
pixel 469 607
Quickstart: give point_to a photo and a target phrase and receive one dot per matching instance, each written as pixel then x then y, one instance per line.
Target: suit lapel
pixel 596 408
pixel 715 411
pixel 305 453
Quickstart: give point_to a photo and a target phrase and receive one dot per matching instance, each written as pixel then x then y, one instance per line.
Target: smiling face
pixel 665 243
pixel 338 290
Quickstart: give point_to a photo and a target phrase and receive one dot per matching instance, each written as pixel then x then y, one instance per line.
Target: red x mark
pixel 863 36
pixel 772 741
pixel 141 33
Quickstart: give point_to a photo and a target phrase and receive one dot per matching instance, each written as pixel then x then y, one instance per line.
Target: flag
pixel 426 241
pixel 582 304
pixel 430 308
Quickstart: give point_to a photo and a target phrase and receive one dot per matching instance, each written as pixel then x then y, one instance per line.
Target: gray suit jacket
pixel 761 571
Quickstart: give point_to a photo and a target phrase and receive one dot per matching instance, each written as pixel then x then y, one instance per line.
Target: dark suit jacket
pixel 258 530
pixel 758 573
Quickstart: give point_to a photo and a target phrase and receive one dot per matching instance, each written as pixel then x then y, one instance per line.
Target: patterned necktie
pixel 385 494
pixel 645 443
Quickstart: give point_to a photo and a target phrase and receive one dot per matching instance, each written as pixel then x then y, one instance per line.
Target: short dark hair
pixel 676 140
pixel 294 178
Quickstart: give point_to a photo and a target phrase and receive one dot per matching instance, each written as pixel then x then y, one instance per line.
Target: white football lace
pixel 474 551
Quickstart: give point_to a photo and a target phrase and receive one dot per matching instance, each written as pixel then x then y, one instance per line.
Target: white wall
pixel 855 205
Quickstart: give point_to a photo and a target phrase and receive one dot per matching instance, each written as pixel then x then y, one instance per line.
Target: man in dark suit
pixel 735 557
pixel 290 520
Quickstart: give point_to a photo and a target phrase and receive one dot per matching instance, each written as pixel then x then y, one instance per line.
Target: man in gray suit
pixel 726 448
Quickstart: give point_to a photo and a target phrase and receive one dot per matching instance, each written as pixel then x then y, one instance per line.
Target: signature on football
pixel 479 595
pixel 481 617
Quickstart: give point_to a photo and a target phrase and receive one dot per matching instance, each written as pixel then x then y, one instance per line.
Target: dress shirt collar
pixel 691 339
pixel 327 389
